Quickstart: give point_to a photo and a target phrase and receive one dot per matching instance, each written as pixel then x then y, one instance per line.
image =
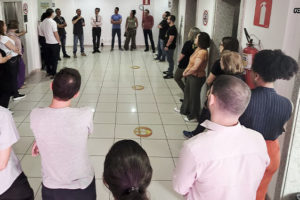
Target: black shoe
pixel 94 51
pixel 146 50
pixel 67 56
pixel 121 49
pixel 156 59
pixel 162 60
pixel 181 100
pixel 111 49
pixel 59 58
pixel 168 76
pixel 188 134
pixel 98 51
pixel 153 51
pixel 19 97
pixel 165 72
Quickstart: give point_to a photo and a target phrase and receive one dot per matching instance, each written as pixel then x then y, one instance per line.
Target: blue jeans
pixel 63 43
pixel 170 58
pixel 81 40
pixel 161 55
pixel 114 32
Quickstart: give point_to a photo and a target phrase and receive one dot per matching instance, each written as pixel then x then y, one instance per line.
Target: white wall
pixel 68 8
pixel 208 5
pixel 181 21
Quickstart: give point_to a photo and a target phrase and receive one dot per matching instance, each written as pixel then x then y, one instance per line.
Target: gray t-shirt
pixel 61 136
pixel 8 136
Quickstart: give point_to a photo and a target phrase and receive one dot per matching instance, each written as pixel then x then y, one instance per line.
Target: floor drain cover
pixel 138 87
pixel 142 131
pixel 135 67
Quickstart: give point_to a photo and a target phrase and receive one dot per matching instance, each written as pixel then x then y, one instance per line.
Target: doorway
pixel 226 23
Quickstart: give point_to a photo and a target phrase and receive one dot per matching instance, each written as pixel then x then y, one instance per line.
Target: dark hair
pixel 127 171
pixel 12 26
pixel 147 10
pixel 97 9
pixel 274 64
pixel 172 18
pixel 57 9
pixel 230 43
pixel 117 8
pixel 133 12
pixel 203 40
pixel 78 9
pixel 2 27
pixel 44 16
pixel 167 13
pixel 232 94
pixel 66 84
pixel 49 12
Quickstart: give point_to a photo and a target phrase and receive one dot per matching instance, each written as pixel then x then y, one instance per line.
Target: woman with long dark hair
pixel 127 171
pixel 7 45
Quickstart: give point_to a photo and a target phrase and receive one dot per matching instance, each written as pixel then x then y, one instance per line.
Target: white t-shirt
pixel 3 40
pixel 8 136
pixel 48 27
pixel 61 136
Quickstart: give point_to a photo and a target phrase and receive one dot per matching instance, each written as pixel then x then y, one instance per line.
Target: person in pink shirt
pixel 227 161
pixel 147 25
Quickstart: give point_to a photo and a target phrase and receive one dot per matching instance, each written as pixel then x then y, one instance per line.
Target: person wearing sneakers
pixel 8 47
pixel 147 24
pixel 96 23
pixel 116 21
pixel 61 135
pixel 78 24
pixel 14 183
pixel 163 28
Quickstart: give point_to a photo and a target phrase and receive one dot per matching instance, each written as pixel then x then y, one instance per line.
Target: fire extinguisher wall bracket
pixel 248 57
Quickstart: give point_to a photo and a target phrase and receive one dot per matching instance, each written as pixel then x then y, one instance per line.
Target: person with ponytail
pixel 127 171
pixel 268 112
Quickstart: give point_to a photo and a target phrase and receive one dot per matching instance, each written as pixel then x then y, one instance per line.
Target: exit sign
pixel 146 2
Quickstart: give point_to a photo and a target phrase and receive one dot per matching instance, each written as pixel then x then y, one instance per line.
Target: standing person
pixel 163 28
pixel 78 24
pixel 170 45
pixel 116 21
pixel 61 25
pixel 127 171
pixel 14 184
pixel 42 42
pixel 196 76
pixel 186 52
pixel 49 29
pixel 96 23
pixel 130 32
pixel 147 25
pixel 61 135
pixel 12 33
pixel 228 160
pixel 5 79
pixel 268 112
pixel 8 46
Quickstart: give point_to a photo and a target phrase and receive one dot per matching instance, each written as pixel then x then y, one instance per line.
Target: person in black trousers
pixel 61 24
pixel 42 42
pixel 49 30
pixel 5 80
pixel 96 24
pixel 147 25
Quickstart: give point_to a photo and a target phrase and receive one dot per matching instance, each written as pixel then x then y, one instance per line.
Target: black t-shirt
pixel 171 31
pixel 78 28
pixel 216 69
pixel 162 31
pixel 60 21
pixel 187 51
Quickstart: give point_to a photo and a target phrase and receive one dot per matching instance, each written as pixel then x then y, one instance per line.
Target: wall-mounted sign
pixel 170 4
pixel 263 13
pixel 25 8
pixel 45 5
pixel 146 2
pixel 205 17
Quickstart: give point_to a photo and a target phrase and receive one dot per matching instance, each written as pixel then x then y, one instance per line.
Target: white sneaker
pixel 177 110
pixel 189 120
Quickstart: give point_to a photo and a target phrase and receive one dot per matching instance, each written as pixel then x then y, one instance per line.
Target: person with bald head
pixel 227 161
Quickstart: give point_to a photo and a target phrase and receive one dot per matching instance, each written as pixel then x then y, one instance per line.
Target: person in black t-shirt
pixel 170 45
pixel 186 52
pixel 79 23
pixel 61 24
pixel 163 27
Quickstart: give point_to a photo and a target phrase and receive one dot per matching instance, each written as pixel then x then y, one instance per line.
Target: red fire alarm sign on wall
pixel 146 2
pixel 263 13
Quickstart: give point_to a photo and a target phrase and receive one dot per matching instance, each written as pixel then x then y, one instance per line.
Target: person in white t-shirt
pixel 7 45
pixel 49 30
pixel 13 182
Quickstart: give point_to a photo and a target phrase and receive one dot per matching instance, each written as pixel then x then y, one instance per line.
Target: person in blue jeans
pixel 170 45
pixel 163 28
pixel 78 22
pixel 116 21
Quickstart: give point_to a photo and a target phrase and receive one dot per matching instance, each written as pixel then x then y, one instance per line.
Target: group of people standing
pixel 12 67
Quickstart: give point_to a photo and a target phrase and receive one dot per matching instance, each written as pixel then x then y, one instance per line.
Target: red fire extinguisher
pixel 248 57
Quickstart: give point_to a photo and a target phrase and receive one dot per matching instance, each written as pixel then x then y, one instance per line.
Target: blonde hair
pixel 194 31
pixel 231 62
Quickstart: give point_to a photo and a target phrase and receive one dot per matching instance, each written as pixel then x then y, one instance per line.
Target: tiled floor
pixel 107 81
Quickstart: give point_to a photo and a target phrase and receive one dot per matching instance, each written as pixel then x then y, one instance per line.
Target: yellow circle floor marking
pixel 135 67
pixel 138 87
pixel 142 131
